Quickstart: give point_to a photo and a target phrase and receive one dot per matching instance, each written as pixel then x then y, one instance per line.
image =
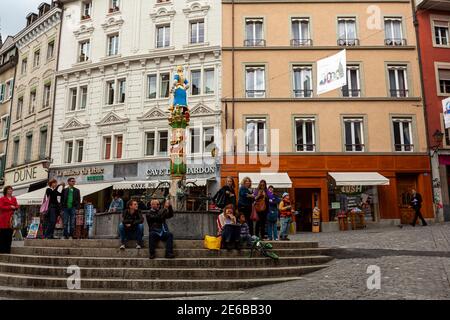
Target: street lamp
pixel 438 136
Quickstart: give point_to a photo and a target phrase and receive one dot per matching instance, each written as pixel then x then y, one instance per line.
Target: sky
pixel 13 13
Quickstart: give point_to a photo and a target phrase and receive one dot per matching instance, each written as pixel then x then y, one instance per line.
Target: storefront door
pixel 305 201
pixel 404 185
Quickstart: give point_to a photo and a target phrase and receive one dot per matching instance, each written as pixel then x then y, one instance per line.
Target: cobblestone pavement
pixel 414 264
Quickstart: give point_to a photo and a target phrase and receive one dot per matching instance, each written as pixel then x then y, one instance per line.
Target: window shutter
pixel 444 74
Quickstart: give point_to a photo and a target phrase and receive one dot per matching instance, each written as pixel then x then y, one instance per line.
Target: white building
pixel 116 67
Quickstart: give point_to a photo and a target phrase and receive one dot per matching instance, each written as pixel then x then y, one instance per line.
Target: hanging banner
pixel 446 112
pixel 331 72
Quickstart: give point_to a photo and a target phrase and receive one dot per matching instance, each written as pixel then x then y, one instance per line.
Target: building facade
pixel 8 61
pixel 372 128
pixel 32 103
pixel 116 69
pixel 433 19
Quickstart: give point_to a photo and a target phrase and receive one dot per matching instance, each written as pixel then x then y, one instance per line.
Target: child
pixel 245 234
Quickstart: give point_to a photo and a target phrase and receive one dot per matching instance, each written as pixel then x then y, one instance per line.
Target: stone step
pixel 143 253
pixel 162 273
pixel 100 262
pixel 15 280
pixel 65 294
pixel 179 244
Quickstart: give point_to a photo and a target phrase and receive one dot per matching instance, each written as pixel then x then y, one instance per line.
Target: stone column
pixel 437 192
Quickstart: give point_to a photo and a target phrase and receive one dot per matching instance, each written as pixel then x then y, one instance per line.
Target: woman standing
pixel 262 208
pixel 245 201
pixel 226 195
pixel 8 204
pixel 54 207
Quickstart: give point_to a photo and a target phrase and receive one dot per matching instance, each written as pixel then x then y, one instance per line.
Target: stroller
pixel 263 248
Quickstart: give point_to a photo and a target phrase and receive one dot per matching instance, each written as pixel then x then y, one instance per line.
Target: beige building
pixel 372 127
pixel 8 61
pixel 31 113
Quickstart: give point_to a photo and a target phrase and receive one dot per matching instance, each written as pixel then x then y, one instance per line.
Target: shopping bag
pixel 293 228
pixel 44 205
pixel 212 243
pixel 254 216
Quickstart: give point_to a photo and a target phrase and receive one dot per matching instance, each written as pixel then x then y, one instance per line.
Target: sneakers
pixel 170 256
pixel 138 247
pixel 122 247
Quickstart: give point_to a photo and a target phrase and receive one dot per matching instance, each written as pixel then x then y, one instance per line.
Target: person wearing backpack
pixel 272 216
pixel 226 195
pixel 261 207
pixel 8 204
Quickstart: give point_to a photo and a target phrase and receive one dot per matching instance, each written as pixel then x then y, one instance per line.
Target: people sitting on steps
pixel 228 229
pixel 158 229
pixel 132 225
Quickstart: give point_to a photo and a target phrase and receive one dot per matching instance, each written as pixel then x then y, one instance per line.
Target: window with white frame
pixel 195 82
pixel 300 32
pixel 122 83
pixel 79 150
pixel 254 32
pixel 163 142
pixel 28 147
pixel 110 92
pixel 195 140
pixel 398 83
pixel 352 88
pixel 403 138
pixel 393 33
pixel 354 134
pixel 68 152
pixel 305 139
pixel 164 84
pixel 115 91
pixel 43 142
pixel 156 143
pixel 444 80
pixel 16 146
pixel 197 31
pixel 50 49
pixel 36 58
pixel 2 92
pixel 73 95
pixel 347 32
pixel 163 36
pixel 150 143
pixel 441 33
pixel 46 95
pixel 86 10
pixel 256 135
pixel 302 81
pixel 4 127
pixel 107 148
pixel 32 105
pixel 152 86
pixel 208 81
pixel 208 139
pixel 114 5
pixel 9 88
pixel 112 147
pixel 84 50
pixel 255 85
pixel 83 97
pixel 19 108
pixel 118 146
pixel 201 140
pixel 24 64
pixel 113 45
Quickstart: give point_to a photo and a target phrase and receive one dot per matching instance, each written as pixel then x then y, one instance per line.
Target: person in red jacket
pixel 8 204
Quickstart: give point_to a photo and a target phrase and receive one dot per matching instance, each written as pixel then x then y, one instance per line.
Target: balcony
pixel 305 93
pixel 255 43
pixel 351 92
pixel 304 147
pixel 395 42
pixel 399 93
pixel 301 42
pixel 354 147
pixel 348 42
pixel 404 147
pixel 255 93
pixel 113 9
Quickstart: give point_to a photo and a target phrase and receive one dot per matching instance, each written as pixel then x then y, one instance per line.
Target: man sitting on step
pixel 132 226
pixel 158 230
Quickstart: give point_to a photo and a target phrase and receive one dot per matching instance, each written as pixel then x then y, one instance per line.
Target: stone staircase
pixel 38 270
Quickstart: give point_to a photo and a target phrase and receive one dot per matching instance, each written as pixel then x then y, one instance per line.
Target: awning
pixel 31 198
pixel 359 179
pixel 276 179
pixel 87 189
pixel 151 184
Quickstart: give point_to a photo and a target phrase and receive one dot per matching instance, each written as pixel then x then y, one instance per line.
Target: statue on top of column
pixel 179 111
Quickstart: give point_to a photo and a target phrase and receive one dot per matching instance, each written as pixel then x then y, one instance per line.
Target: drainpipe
pixel 232 65
pixel 438 213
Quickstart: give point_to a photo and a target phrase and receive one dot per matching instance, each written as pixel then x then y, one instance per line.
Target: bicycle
pixel 263 248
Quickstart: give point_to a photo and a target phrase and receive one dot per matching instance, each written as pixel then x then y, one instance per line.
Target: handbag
pixel 59 223
pixel 254 216
pixel 212 243
pixel 260 205
pixel 45 204
pixel 220 198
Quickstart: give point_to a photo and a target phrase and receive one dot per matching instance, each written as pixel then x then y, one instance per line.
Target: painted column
pixel 437 192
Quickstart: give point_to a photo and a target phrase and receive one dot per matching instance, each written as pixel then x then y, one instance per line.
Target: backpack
pixel 272 216
pixel 219 198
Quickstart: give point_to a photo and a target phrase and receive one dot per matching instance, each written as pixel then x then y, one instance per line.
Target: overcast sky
pixel 13 13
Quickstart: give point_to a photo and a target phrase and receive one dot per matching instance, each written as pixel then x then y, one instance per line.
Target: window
pixel 197 31
pixel 150 144
pixel 122 88
pixel 195 82
pixel 354 136
pixel 444 81
pixel 86 11
pixel 32 106
pixel 398 85
pixel 113 45
pixel 163 36
pixel 118 146
pixel 302 81
pixel 83 99
pixel 300 32
pixel 163 138
pixel 37 58
pixel 107 148
pixel 441 33
pixel 47 93
pixel 69 152
pixel 111 142
pixel 9 88
pixel 84 51
pixel 2 92
pixel 347 32
pixel 393 32
pixel 80 149
pixel 29 147
pixel 255 82
pixel 19 108
pixel 403 134
pixel 50 49
pixel 112 87
pixel 254 32
pixel 43 143
pixel 110 92
pixel 208 139
pixel 16 152
pixel 5 127
pixel 208 81
pixel 114 6
pixel 256 135
pixel 195 140
pixel 305 134
pixel 73 99
pixel 352 88
pixel 164 85
pixel 23 69
pixel 151 79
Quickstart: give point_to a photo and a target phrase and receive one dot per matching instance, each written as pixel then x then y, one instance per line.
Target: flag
pixel 331 72
pixel 446 112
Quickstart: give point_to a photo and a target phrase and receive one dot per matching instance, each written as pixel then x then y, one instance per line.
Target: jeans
pixel 272 230
pixel 153 238
pixel 69 221
pixel 260 229
pixel 131 233
pixel 285 222
pixel 231 233
pixel 247 240
pixel 6 240
pixel 50 222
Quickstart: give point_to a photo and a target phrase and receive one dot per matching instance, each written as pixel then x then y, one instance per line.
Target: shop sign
pixel 351 189
pixel 26 175
pixel 190 171
pixel 79 172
